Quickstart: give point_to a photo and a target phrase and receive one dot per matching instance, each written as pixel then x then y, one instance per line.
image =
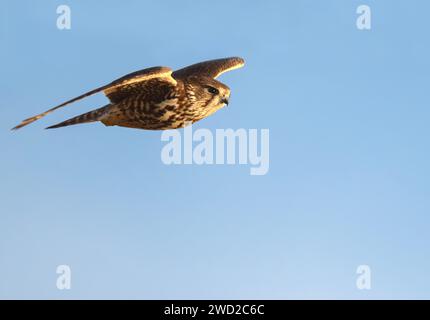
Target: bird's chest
pixel 177 114
pixel 178 111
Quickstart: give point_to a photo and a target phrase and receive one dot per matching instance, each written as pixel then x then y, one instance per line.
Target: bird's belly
pixel 155 118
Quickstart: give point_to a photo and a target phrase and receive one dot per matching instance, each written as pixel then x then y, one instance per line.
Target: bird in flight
pixel 157 98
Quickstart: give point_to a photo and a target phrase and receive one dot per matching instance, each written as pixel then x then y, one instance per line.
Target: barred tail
pixel 91 116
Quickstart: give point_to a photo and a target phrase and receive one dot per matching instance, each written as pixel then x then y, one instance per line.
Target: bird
pixel 157 98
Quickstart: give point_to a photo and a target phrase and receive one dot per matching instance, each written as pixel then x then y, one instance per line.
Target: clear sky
pixel 348 185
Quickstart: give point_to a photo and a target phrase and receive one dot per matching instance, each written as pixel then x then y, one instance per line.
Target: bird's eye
pixel 213 90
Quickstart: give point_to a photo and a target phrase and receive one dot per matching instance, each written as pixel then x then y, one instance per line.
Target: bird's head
pixel 209 94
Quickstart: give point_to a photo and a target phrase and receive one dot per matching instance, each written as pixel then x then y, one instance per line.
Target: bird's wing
pixel 117 89
pixel 136 81
pixel 211 68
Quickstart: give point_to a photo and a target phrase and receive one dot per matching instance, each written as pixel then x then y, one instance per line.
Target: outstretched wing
pixel 211 68
pixel 118 89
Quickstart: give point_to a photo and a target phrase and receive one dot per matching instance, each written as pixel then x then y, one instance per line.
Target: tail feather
pixel 41 115
pixel 91 116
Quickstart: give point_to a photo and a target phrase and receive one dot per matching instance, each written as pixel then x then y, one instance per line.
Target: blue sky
pixel 349 172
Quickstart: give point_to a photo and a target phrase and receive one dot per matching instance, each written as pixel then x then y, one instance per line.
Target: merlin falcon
pixel 157 98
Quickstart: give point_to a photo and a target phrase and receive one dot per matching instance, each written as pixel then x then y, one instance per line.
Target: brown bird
pixel 157 98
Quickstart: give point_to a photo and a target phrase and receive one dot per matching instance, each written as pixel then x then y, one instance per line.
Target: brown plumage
pixel 157 98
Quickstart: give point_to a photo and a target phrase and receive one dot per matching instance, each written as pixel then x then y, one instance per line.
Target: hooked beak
pixel 225 101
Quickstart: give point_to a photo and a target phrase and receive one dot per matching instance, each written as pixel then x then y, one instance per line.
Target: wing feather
pixel 211 68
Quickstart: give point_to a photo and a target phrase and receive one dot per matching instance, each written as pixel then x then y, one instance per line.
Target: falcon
pixel 157 98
